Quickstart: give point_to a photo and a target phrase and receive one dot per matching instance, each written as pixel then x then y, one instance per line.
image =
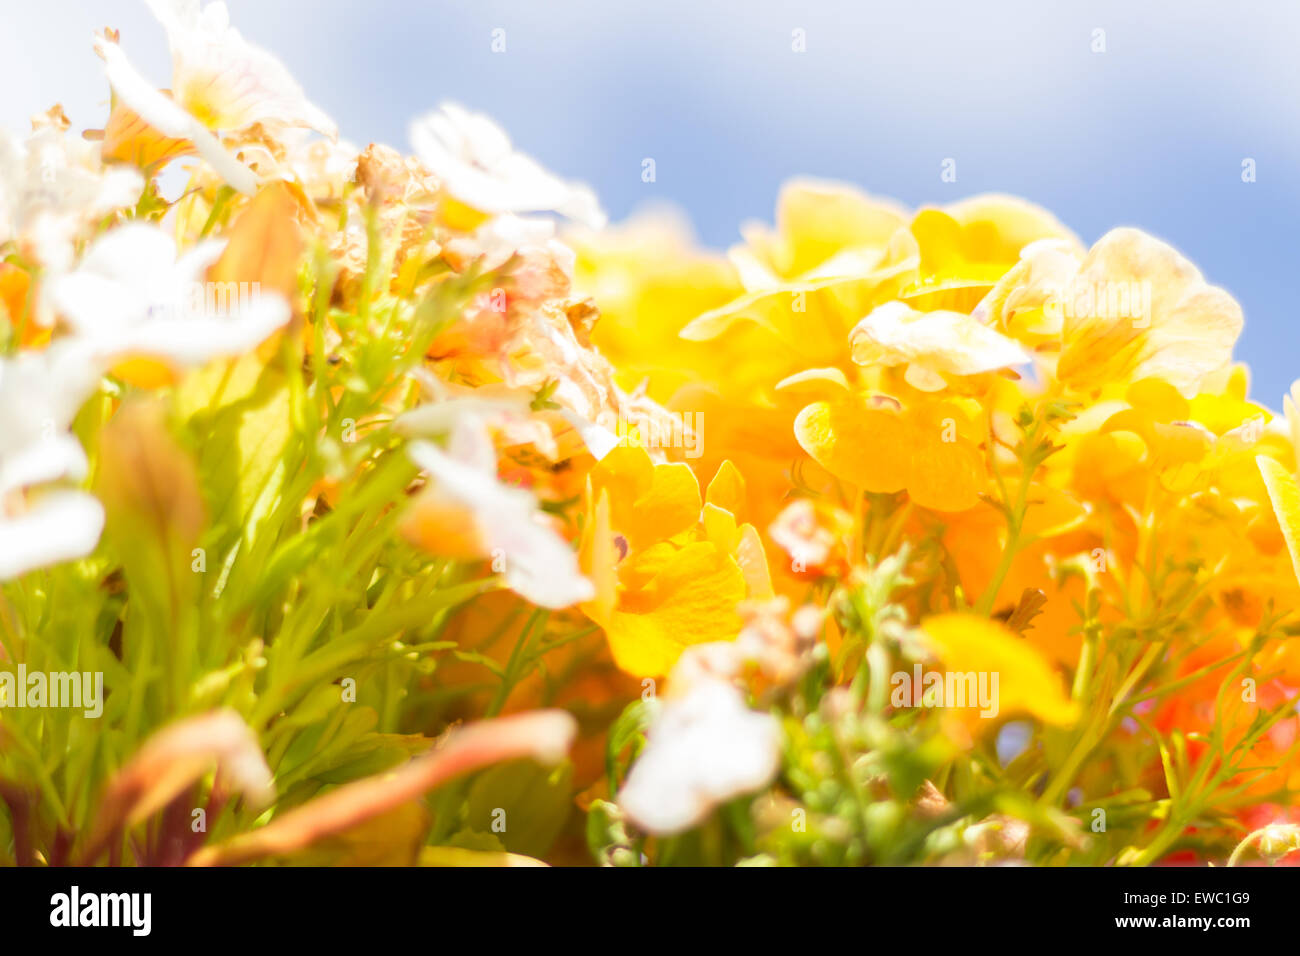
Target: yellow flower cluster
pixel 1057 434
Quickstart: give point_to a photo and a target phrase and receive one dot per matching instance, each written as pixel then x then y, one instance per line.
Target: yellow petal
pixel 599 561
pixel 1138 309
pixel 720 527
pixel 818 219
pixel 692 600
pixel 944 475
pixel 868 447
pixel 1027 683
pixel 998 226
pixel 444 856
pixel 1222 413
pixel 967 247
pixel 1159 399
pixel 443 525
pixel 264 244
pixel 145 372
pixel 15 295
pixel 939 236
pixel 1284 493
pixel 752 558
pixel 727 489
pixel 816 384
pixel 129 139
pixel 648 502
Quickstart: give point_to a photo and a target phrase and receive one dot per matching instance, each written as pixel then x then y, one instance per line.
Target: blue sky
pixel 1151 133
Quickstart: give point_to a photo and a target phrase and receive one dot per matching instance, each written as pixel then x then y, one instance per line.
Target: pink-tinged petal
pixel 544 736
pixel 173 759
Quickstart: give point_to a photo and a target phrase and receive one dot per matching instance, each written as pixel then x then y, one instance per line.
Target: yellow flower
pixel 1132 309
pixel 967 247
pixel 879 446
pixel 834 255
pixel 669 569
pixel 649 281
pixel 1194 444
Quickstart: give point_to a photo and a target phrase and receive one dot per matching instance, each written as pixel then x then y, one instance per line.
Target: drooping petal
pixel 868 447
pixel 544 736
pixel 171 760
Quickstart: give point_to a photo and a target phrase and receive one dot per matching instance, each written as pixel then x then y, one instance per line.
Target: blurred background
pixel 1108 113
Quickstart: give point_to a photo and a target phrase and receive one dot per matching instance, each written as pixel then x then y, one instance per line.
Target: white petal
pixel 600 441
pixel 129 295
pixel 62 526
pixel 894 334
pixel 235 80
pixel 703 749
pixel 192 339
pixel 40 393
pixel 539 564
pixel 121 275
pixel 477 164
pixel 54 457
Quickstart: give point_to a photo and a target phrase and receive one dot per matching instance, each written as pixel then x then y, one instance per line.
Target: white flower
pixel 52 188
pixel 495 241
pixel 40 393
pixel 223 79
pixel 931 344
pixel 168 118
pixel 704 748
pixel 130 296
pixel 503 523
pixel 474 158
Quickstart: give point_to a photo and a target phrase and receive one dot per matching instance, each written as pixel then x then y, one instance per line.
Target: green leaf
pixel 628 730
pixel 522 803
pixel 241 435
